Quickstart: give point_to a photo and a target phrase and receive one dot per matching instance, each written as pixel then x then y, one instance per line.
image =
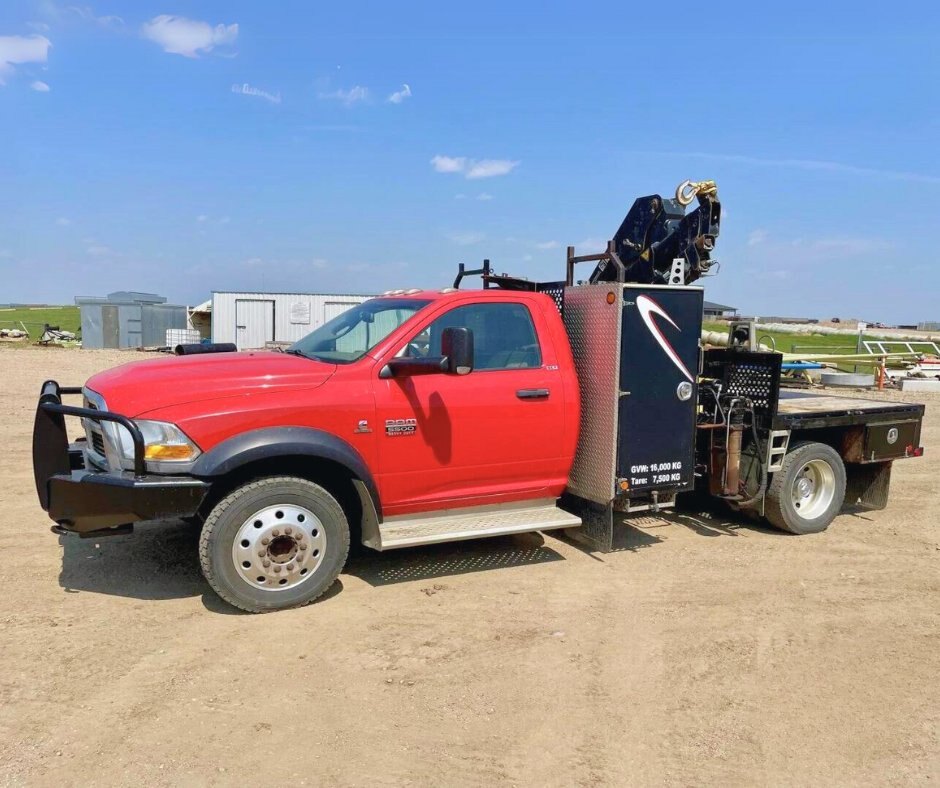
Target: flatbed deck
pixel 798 409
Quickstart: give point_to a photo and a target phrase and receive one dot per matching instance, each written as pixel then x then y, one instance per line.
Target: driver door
pixel 463 440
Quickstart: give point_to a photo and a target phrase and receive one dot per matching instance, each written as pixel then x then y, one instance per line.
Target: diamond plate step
pixel 455 524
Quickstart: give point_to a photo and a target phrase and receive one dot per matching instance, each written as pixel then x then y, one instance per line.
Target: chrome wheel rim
pixel 279 547
pixel 814 488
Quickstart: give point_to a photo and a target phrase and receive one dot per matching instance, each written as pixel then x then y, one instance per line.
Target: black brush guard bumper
pixel 86 500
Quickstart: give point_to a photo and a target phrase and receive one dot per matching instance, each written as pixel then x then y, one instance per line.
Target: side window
pixel 503 336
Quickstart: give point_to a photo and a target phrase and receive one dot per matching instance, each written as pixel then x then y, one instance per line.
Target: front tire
pixel 809 490
pixel 274 543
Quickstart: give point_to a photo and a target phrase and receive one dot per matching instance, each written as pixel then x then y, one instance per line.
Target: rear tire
pixel 809 490
pixel 274 543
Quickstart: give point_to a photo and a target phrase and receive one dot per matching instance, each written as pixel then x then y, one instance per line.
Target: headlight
pixel 163 442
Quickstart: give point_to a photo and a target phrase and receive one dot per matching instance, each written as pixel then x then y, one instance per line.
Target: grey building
pixel 126 319
pixel 719 310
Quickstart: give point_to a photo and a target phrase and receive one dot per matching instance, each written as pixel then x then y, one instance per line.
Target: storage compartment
pixel 636 349
pixel 659 364
pixel 888 440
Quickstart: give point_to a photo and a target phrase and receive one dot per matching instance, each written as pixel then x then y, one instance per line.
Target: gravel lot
pixel 706 650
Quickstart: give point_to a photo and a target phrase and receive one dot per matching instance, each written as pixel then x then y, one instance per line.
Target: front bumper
pixel 84 499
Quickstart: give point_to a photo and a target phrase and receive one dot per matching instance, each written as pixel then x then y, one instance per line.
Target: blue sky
pixel 180 148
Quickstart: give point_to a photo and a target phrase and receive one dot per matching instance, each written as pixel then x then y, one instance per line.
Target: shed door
pixel 110 326
pixel 254 323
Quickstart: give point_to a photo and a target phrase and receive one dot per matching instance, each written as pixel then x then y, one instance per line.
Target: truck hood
pixel 142 386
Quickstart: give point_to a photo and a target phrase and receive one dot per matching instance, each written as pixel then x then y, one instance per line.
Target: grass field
pixel 811 343
pixel 65 317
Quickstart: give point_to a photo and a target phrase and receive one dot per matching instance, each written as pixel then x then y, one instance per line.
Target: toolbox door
pixel 659 362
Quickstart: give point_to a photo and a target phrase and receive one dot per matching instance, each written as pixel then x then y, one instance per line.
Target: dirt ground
pixel 706 650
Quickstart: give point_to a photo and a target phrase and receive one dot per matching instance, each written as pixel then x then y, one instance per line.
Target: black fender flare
pixel 269 442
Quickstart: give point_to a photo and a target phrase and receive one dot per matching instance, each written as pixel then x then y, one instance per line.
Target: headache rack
pixel 555 290
pixel 749 374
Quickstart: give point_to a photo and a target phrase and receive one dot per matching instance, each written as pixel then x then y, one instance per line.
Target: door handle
pixel 532 393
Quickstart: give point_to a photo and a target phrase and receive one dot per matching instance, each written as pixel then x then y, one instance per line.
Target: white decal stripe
pixel 648 307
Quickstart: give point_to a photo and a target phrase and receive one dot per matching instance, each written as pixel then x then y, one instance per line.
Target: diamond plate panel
pixel 473 523
pixel 593 328
pixel 597 529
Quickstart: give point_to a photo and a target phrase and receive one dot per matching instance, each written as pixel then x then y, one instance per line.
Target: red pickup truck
pixel 429 416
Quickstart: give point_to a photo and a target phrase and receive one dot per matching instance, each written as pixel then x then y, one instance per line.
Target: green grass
pixel 809 343
pixel 67 318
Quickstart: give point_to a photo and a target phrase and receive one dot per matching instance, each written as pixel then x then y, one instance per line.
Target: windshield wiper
pixel 294 352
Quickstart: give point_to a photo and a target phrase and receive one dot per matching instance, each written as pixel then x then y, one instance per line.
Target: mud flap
pixel 597 529
pixel 866 486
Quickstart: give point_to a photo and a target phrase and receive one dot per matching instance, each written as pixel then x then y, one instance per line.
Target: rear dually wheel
pixel 807 493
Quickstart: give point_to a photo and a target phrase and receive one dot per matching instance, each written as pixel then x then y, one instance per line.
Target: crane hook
pixel 689 190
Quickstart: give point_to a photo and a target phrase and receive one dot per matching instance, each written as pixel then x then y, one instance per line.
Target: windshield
pixel 349 336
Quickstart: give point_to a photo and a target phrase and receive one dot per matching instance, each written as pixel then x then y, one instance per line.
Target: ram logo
pixel 648 307
pixel 395 428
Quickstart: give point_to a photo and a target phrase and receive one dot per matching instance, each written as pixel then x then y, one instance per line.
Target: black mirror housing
pixel 456 358
pixel 457 350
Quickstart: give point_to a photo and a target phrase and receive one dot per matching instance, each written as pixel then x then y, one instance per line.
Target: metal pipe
pixel 199 348
pixel 733 459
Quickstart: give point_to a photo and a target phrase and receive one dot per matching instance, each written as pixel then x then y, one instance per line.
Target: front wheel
pixel 807 493
pixel 274 543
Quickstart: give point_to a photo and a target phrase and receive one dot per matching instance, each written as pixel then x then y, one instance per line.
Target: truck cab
pixel 365 421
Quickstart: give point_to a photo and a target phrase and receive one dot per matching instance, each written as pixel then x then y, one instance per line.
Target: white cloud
pixel 40 87
pixel 400 95
pixel 188 37
pixel 489 168
pixel 848 247
pixel 247 90
pixel 816 165
pixel 97 250
pixel 225 220
pixel 202 218
pixel 482 196
pixel 466 239
pixel 774 254
pixel 757 237
pixel 547 245
pixel 473 169
pixel 63 222
pixel 349 97
pixel 15 50
pixel 320 263
pixel 448 163
pixel 86 13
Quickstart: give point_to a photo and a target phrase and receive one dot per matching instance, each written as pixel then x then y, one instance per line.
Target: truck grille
pixel 97 442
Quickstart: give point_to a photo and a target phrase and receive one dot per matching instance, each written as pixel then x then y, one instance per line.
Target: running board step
pixel 455 524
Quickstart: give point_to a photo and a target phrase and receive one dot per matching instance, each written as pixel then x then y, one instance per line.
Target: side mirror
pixel 456 358
pixel 457 349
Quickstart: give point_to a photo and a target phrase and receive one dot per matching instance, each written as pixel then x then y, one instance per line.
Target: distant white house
pixel 251 320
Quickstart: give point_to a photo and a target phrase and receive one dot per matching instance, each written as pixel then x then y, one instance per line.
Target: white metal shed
pixel 252 319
